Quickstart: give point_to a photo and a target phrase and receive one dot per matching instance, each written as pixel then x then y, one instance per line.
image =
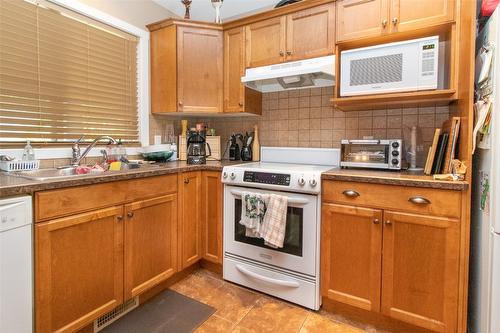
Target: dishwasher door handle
pixel 283 283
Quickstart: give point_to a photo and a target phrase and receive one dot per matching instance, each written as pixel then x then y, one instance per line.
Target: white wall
pixel 136 12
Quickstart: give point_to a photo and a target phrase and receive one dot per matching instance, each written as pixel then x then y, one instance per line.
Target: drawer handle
pixel 350 193
pixel 418 200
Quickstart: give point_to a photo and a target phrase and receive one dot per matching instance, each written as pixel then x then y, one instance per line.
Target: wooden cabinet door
pixel 211 200
pixel 361 18
pixel 407 15
pixel 351 254
pixel 234 69
pixel 150 243
pixel 199 70
pixel 310 33
pixel 189 218
pixel 420 270
pixel 265 42
pixel 78 269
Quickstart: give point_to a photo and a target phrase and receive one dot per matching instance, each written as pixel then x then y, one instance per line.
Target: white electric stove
pixel 292 272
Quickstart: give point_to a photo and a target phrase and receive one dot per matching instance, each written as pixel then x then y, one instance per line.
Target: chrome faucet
pixel 77 157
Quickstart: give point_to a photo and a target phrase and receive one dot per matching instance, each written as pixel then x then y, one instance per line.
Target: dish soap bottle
pixel 28 153
pixel 256 144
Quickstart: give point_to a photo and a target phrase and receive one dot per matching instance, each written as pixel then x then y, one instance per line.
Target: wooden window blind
pixel 63 76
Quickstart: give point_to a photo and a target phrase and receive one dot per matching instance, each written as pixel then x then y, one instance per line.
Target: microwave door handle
pixel 283 283
pixel 293 201
pixel 364 142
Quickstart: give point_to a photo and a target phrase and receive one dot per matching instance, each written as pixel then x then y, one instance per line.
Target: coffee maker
pixel 196 143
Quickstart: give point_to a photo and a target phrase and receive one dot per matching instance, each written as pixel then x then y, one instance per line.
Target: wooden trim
pixel 212 267
pixel 301 5
pixel 182 22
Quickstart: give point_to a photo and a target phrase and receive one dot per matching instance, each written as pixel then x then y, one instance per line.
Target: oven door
pixel 299 250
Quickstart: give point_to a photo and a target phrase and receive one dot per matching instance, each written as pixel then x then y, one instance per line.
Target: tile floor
pixel 241 310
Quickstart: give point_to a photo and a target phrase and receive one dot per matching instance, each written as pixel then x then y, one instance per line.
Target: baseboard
pixel 211 266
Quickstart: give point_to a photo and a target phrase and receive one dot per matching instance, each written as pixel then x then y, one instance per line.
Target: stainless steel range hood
pixel 316 72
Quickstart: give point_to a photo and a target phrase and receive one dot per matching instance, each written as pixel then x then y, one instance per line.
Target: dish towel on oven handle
pixel 274 224
pixel 253 209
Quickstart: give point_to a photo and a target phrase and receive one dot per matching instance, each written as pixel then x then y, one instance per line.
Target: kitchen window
pixel 64 75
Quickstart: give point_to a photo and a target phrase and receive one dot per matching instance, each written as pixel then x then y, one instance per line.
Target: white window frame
pixel 143 107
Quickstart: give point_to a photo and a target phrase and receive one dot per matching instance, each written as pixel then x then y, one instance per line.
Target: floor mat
pixel 167 312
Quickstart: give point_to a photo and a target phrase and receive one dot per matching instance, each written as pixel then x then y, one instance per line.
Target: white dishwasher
pixel 16 265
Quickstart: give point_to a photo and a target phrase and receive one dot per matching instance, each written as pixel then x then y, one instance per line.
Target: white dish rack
pixel 19 165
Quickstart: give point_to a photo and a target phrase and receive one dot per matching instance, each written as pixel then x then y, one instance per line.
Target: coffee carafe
pixel 196 143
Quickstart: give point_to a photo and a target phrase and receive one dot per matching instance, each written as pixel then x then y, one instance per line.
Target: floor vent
pixel 115 314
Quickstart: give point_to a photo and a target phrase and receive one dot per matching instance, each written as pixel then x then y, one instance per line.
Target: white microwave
pixel 395 67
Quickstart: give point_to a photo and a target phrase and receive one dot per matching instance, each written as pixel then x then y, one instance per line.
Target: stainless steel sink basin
pixel 46 174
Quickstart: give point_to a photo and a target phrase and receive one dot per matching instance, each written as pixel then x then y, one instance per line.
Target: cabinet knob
pixel 395 20
pixel 388 222
pixel 384 23
pixel 130 215
pixel 289 53
pixel 180 103
pixel 240 104
pixel 282 53
pixel 186 180
pixel 350 193
pixel 419 200
pixel 376 221
pixel 119 218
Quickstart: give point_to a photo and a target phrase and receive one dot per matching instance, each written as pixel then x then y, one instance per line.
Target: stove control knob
pixel 313 182
pixel 233 176
pixel 224 175
pixel 302 181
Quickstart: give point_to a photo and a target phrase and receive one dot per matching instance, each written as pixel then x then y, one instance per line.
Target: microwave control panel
pixel 267 178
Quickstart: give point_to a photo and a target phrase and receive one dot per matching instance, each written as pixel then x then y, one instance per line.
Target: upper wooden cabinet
pixel 304 34
pixel 78 269
pixel 420 270
pixel 186 68
pixel 237 98
pixel 351 255
pixel 372 18
pixel 150 243
pixel 361 18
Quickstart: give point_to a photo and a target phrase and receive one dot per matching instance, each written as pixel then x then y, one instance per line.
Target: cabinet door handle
pixel 289 53
pixel 119 218
pixel 388 222
pixel 395 20
pixel 419 200
pixel 282 53
pixel 376 221
pixel 350 193
pixel 186 180
pixel 130 215
pixel 384 23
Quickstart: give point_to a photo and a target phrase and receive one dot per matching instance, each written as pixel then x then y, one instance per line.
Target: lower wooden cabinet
pixel 212 202
pixel 400 264
pixel 351 254
pixel 150 243
pixel 189 218
pixel 78 269
pixel 420 270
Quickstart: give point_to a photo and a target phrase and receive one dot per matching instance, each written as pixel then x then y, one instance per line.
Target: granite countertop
pixel 15 185
pixel 401 178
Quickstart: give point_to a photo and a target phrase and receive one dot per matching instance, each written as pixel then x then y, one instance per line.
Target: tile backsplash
pixel 306 118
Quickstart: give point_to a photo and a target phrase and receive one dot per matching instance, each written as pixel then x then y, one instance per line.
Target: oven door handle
pixel 283 283
pixel 293 201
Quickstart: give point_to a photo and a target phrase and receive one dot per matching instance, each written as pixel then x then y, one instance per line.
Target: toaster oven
pixel 372 154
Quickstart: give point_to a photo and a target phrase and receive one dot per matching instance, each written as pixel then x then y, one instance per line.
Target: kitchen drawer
pixel 63 202
pixel 440 202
